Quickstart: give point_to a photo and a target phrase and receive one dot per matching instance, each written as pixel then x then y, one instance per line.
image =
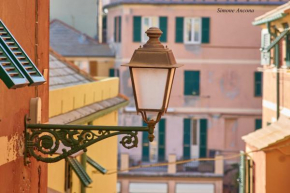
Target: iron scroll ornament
pixel 42 141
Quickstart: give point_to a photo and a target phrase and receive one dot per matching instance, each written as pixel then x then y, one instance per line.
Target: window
pixel 148 22
pixel 154 151
pixel 192 30
pixel 148 187
pixel 83 65
pixel 194 138
pixel 231 133
pixel 258 124
pixel 191 83
pixel 114 72
pixel 117 29
pixel 142 24
pixel 93 68
pixel 258 84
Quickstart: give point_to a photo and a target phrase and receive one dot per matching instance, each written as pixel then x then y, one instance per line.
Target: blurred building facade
pixel 30 27
pixel 82 15
pixel 217 95
pixel 84 51
pixel 269 147
pixel 76 98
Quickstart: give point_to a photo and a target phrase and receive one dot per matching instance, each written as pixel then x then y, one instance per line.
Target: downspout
pixel 277 72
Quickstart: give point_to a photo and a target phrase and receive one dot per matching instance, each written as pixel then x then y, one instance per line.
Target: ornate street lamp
pixel 152 68
pixel 152 71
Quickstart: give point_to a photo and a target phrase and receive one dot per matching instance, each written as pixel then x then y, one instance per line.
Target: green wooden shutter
pixel 205 30
pixel 145 145
pixel 242 173
pixel 97 166
pixel 258 84
pixel 203 138
pixel 191 83
pixel 119 28
pixel 80 171
pixel 258 124
pixel 111 72
pixel 163 28
pixel 137 29
pixel 115 29
pixel 186 138
pixel 10 46
pixel 161 140
pixel 179 29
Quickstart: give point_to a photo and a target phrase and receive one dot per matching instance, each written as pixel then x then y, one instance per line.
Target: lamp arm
pixel 42 141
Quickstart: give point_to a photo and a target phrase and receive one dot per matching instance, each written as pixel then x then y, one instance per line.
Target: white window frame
pixel 192 30
pixel 150 24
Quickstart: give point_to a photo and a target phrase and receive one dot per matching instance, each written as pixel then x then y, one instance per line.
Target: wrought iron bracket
pixel 43 141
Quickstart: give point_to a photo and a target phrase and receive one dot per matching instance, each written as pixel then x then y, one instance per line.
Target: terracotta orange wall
pixel 278 167
pixel 20 17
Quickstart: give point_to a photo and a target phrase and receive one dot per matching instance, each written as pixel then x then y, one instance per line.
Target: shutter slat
pixel 179 29
pixel 137 29
pixel 11 80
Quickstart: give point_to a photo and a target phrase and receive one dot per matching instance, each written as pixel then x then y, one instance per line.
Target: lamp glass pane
pixel 169 86
pixel 150 86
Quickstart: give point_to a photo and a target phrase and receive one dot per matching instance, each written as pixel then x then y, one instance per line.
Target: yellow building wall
pixel 70 98
pixel 103 64
pixel 104 152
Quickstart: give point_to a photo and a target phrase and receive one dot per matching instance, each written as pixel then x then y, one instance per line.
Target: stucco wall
pixel 277 165
pixel 20 18
pixel 227 65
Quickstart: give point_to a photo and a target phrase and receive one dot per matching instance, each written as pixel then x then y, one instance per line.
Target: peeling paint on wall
pixel 11 148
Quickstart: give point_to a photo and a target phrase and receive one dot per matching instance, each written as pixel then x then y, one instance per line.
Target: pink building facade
pixel 217 95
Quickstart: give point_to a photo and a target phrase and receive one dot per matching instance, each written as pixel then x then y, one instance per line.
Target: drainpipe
pixel 277 73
